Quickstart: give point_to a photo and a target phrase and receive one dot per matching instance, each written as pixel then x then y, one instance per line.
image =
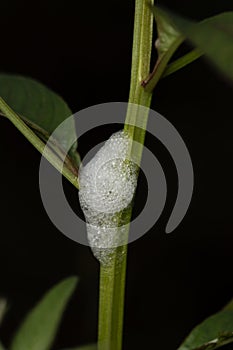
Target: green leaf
pixel 38 330
pixel 213 36
pixel 39 105
pixel 1 346
pixel 215 331
pixel 54 153
pixel 167 33
pixel 168 40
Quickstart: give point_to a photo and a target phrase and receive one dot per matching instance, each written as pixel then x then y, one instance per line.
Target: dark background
pixel 82 50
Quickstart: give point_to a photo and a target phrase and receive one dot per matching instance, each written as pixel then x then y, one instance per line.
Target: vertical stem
pixel 142 46
pixel 105 306
pixel 112 276
pixel 111 301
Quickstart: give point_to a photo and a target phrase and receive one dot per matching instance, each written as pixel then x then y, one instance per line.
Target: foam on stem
pixel 107 186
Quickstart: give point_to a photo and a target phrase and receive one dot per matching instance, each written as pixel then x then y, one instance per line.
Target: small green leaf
pixel 167 33
pixel 215 331
pixel 39 105
pixel 168 40
pixel 1 346
pixel 38 330
pixel 213 36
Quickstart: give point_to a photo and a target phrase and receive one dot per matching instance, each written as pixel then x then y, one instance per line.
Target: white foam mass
pixel 107 186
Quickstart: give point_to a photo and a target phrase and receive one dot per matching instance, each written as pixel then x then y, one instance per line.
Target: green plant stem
pixel 112 276
pixel 182 62
pixel 111 301
pixel 141 57
pixel 154 77
pixel 53 143
pixel 37 143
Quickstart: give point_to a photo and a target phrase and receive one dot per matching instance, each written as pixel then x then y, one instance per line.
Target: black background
pixel 82 50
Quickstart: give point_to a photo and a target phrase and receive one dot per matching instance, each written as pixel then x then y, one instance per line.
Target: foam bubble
pixel 107 186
